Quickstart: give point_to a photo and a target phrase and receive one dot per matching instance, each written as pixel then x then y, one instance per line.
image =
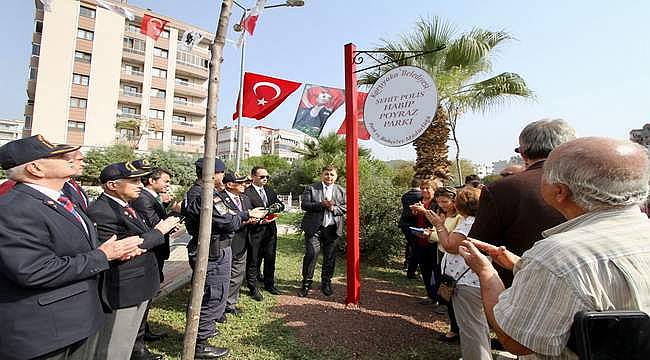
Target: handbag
pixel 448 284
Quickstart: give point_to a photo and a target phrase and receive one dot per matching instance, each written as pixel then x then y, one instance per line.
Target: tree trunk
pixel 431 149
pixel 198 279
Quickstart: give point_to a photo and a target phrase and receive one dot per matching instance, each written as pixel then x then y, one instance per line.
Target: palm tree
pixel 456 69
pixel 328 150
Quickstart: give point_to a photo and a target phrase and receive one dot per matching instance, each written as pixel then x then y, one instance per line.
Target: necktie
pixel 131 212
pixel 81 194
pixel 238 202
pixel 69 206
pixel 263 196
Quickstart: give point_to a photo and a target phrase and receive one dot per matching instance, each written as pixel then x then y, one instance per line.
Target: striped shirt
pixel 597 261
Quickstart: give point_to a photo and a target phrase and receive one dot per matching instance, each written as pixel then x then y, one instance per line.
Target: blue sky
pixel 587 61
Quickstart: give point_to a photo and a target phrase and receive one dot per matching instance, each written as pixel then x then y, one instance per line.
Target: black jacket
pixel 152 212
pixel 224 221
pixel 49 269
pixel 257 231
pixel 314 210
pixel 240 238
pixel 409 198
pixel 130 282
pixel 81 200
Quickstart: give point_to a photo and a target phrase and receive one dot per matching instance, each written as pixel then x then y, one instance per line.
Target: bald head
pixel 600 172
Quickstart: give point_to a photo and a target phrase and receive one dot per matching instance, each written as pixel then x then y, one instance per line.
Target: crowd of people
pixel 519 256
pixel 522 255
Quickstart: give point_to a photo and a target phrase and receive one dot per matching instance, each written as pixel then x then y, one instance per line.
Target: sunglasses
pixel 263 176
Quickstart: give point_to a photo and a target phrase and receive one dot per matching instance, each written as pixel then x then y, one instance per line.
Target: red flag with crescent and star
pixel 262 94
pixel 362 133
pixel 152 26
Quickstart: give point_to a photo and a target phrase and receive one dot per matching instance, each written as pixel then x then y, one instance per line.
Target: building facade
pixel 641 136
pixel 96 80
pixel 260 140
pixel 10 130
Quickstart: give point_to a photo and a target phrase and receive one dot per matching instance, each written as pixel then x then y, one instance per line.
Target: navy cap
pixel 123 170
pixel 142 164
pixel 32 148
pixel 219 166
pixel 230 178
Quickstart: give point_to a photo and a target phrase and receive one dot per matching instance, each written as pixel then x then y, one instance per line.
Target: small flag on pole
pixel 152 26
pixel 249 21
pixel 191 38
pixel 47 5
pixel 262 94
pixel 120 10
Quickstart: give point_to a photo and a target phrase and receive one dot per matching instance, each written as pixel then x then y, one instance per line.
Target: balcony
pixel 133 54
pixel 189 107
pixel 188 127
pixel 191 64
pixel 130 97
pixel 31 88
pixel 188 88
pixel 187 146
pixel 132 75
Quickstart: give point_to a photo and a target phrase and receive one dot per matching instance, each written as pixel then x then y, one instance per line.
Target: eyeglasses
pixel 263 176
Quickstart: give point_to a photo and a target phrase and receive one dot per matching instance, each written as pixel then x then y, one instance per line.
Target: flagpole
pixel 240 131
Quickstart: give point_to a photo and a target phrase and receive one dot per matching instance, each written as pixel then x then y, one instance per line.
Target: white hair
pixel 539 138
pixel 598 184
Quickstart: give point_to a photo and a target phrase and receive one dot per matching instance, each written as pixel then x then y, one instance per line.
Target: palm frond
pixel 495 91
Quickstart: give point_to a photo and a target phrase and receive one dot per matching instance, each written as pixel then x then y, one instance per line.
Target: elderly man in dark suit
pixel 407 219
pixel 512 212
pixel 130 285
pixel 50 259
pixel 325 205
pixel 263 235
pixel 71 188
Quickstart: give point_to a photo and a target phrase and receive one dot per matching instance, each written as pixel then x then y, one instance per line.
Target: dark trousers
pixel 410 260
pixel 325 239
pixel 215 292
pixel 261 247
pixel 81 350
pixel 426 259
pixel 237 272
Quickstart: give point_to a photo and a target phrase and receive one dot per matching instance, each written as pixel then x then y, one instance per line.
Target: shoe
pixel 205 351
pixel 440 309
pixel 152 336
pixel 145 354
pixel 272 289
pixel 234 311
pixel 426 301
pixel 326 288
pixel 222 319
pixel 304 290
pixel 449 337
pixel 256 294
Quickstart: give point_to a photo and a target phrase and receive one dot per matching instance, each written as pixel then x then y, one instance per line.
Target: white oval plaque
pixel 400 106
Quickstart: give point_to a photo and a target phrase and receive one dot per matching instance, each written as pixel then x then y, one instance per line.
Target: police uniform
pixel 224 224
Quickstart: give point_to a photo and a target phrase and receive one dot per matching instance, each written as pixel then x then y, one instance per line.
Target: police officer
pixel 224 224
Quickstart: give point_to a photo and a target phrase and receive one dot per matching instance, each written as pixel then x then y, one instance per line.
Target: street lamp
pixel 238 28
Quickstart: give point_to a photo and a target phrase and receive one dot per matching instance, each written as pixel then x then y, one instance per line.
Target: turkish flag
pixel 262 94
pixel 152 26
pixel 250 20
pixel 362 131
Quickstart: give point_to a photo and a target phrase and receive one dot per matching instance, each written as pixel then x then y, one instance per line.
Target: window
pixel 86 12
pixel 129 110
pixel 133 28
pixel 159 73
pixel 76 125
pixel 127 133
pixel 156 114
pixel 36 49
pixel 158 93
pixel 164 34
pixel 155 135
pixel 180 99
pixel 28 122
pixel 182 80
pixel 178 139
pixel 33 72
pixel 131 90
pixel 179 118
pixel 39 27
pixel 80 79
pixel 85 34
pixel 191 59
pixel 82 57
pixel 160 52
pixel 78 103
pixel 134 44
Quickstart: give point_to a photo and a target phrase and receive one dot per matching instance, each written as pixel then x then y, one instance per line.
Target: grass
pixel 259 334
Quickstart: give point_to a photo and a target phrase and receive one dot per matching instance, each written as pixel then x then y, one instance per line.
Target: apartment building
pixel 96 80
pixel 260 140
pixel 10 130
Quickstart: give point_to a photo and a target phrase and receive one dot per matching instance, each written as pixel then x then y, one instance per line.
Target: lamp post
pixel 238 28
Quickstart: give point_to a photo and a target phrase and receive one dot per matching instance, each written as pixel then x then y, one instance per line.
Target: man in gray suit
pixel 324 204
